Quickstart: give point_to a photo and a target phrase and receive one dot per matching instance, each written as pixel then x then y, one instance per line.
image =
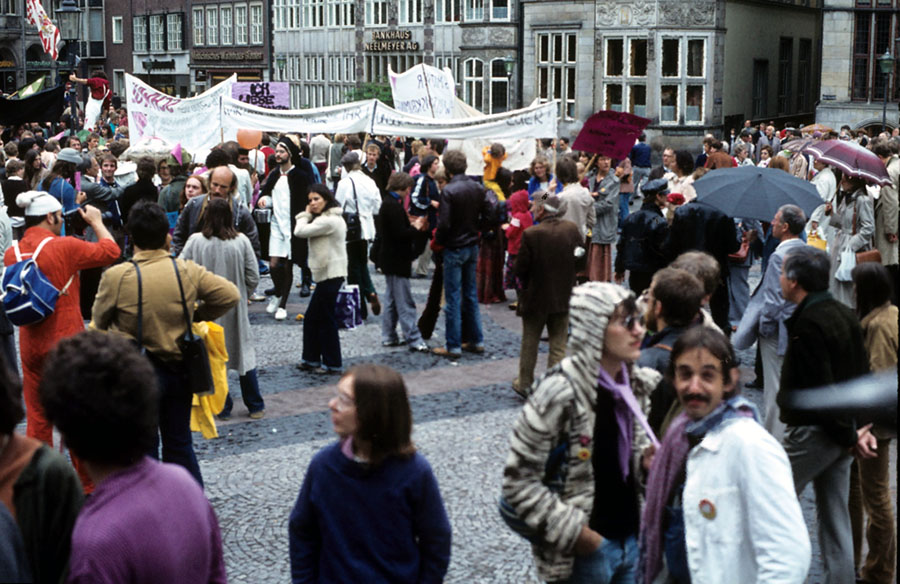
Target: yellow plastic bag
pixel 816 241
pixel 205 408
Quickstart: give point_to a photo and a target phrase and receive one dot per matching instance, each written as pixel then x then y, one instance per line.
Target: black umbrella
pixel 755 193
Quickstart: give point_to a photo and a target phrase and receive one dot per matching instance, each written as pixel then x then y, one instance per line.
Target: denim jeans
pixel 175 419
pixel 461 297
pixel 249 393
pixel 321 343
pixel 614 562
pixel 624 200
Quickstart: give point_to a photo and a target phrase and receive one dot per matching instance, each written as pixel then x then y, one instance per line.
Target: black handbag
pixel 194 356
pixel 354 225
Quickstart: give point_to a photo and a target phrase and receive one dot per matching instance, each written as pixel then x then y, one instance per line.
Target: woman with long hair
pixel 870 493
pixel 58 180
pixel 370 509
pixel 34 169
pixel 323 225
pixel 224 251
pixel 194 186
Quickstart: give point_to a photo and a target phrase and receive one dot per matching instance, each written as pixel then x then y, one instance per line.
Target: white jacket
pixel 327 248
pixel 368 196
pixel 753 530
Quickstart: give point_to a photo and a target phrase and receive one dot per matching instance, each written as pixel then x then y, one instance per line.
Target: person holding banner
pixel 285 193
pixel 99 99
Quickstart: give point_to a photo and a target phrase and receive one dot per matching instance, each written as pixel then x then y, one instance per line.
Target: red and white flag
pixel 48 31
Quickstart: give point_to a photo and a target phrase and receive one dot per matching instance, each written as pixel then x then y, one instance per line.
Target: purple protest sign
pixel 610 133
pixel 267 94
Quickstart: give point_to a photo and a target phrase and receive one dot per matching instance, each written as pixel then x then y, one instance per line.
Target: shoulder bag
pixel 869 255
pixel 354 226
pixel 194 356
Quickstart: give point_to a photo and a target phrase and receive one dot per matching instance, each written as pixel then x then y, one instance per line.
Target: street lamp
pixel 280 62
pixel 886 64
pixel 509 64
pixel 69 16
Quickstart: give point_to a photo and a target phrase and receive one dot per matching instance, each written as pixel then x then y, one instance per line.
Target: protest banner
pixel 537 121
pixel 346 118
pixel 424 91
pixel 192 122
pixel 267 94
pixel 610 133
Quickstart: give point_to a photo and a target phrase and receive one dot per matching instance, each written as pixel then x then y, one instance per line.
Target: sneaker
pixel 472 348
pixel 444 352
pixel 304 291
pixel 306 366
pixel 258 415
pixel 392 343
pixel 420 348
pixel 280 314
pixel 274 301
pixel 257 297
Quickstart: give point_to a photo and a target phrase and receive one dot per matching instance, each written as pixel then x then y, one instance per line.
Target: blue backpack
pixel 27 294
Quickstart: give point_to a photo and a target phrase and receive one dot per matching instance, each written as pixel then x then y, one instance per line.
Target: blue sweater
pixel 352 523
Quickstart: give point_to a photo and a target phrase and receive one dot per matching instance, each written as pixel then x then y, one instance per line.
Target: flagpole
pixel 427 91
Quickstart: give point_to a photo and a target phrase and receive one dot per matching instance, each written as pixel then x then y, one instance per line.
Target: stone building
pixel 691 67
pixel 331 50
pixel 855 34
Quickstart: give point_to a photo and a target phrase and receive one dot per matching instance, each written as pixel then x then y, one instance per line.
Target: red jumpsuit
pixel 59 259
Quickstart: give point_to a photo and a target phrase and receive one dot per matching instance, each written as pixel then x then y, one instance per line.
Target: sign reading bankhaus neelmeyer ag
pixel 384 41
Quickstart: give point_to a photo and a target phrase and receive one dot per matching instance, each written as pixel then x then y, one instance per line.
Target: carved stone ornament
pixel 502 36
pixel 677 13
pixel 626 13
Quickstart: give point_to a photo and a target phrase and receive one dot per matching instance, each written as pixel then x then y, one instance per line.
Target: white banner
pixel 532 122
pixel 424 91
pixel 344 119
pixel 192 122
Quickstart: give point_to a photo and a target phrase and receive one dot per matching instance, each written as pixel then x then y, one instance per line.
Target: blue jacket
pixel 640 155
pixel 353 523
pixel 534 184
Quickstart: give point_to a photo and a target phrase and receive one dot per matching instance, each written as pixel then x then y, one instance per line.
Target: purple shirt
pixel 149 523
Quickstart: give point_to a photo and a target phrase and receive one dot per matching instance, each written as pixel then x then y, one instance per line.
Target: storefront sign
pixel 213 56
pixel 270 95
pixel 389 41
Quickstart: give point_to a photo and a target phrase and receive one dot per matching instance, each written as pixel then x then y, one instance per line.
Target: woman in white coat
pixel 224 251
pixel 853 217
pixel 323 224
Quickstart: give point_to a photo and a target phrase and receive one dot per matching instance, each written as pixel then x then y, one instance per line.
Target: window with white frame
pixel 240 24
pixel 342 12
pixel 198 23
pixel 157 33
pixel 410 11
pixel 8 7
pixel 117 30
pixel 294 14
pixel 119 81
pixel 314 13
pixel 473 83
pixel 499 87
pixel 447 11
pixel 139 33
pixel 279 9
pixel 212 25
pixel 500 10
pixel 226 22
pixel 174 31
pixel 376 12
pixel 683 66
pixel 625 75
pixel 556 70
pixel 474 10
pixel 256 24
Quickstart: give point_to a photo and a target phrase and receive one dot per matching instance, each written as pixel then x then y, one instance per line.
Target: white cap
pixel 37 203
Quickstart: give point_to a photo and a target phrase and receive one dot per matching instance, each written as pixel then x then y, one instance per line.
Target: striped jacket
pixel 564 399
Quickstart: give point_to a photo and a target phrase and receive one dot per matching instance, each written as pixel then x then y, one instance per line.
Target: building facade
pixel 690 67
pixel 855 34
pixel 22 58
pixel 334 51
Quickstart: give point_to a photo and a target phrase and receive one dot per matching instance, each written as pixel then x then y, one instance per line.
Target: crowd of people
pixel 662 472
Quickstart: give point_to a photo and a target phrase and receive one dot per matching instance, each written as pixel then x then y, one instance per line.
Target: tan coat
pixel 886 215
pixel 116 304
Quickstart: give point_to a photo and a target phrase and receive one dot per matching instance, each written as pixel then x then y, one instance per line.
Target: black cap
pixel 659 186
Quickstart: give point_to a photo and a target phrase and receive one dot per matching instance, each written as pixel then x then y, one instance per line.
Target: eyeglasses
pixel 632 319
pixel 343 402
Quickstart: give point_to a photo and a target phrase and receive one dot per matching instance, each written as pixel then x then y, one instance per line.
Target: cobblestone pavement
pixel 463 412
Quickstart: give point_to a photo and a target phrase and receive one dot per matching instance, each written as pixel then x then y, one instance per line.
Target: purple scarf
pixel 621 392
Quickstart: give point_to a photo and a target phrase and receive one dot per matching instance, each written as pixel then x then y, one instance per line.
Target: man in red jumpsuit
pixel 60 260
